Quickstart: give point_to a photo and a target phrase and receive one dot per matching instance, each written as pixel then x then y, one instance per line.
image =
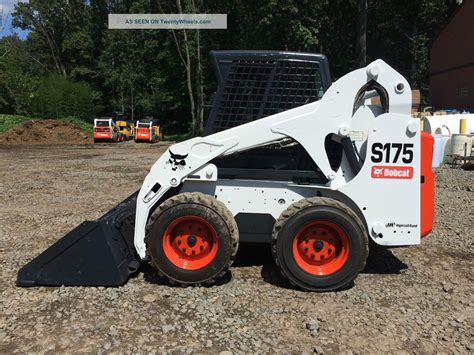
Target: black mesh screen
pixel 243 93
pixel 295 83
pixel 258 88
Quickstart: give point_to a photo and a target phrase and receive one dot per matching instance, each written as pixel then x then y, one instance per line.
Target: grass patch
pixel 178 137
pixel 87 127
pixel 7 122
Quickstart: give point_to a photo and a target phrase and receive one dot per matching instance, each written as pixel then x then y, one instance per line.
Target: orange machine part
pixel 190 242
pixel 102 132
pixel 427 184
pixel 321 248
pixel 143 134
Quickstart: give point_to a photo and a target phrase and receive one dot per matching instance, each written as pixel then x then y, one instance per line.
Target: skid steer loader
pixel 354 172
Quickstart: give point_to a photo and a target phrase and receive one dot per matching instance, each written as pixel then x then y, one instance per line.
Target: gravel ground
pixel 417 299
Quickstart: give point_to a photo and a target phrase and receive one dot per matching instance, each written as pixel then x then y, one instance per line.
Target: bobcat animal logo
pixel 378 172
pixel 177 161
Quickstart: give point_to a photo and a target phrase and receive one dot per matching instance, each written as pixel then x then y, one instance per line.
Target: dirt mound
pixel 45 132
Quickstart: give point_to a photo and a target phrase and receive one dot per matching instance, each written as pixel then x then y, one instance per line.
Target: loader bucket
pixel 95 253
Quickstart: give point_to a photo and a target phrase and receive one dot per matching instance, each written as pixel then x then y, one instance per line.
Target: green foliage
pixel 59 97
pixel 19 76
pixel 178 137
pixel 400 32
pixel 9 121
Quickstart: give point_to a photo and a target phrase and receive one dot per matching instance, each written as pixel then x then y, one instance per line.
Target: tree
pixel 187 64
pixel 59 97
pixel 19 76
pixel 361 47
pixel 46 19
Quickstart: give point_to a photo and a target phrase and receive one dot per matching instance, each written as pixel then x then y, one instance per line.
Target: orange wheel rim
pixel 190 242
pixel 321 248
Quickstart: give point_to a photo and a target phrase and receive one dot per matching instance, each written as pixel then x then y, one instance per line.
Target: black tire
pixel 203 207
pixel 319 210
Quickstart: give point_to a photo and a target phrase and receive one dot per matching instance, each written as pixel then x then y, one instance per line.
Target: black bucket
pixel 95 253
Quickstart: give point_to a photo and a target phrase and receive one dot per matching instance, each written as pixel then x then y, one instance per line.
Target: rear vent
pixel 256 89
pixel 295 83
pixel 244 93
pixel 257 85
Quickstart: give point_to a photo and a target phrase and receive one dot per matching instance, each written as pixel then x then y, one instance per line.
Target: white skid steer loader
pixel 190 214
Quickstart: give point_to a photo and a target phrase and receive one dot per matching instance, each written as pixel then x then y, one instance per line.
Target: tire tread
pixel 305 203
pixel 205 200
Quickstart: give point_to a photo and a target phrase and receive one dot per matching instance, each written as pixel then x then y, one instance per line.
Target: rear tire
pixel 319 244
pixel 192 239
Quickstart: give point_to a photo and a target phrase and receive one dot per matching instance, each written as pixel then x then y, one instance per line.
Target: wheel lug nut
pixel 192 240
pixel 194 252
pixel 306 249
pixel 318 245
pixel 312 256
pixel 201 248
pixel 179 242
pixel 184 250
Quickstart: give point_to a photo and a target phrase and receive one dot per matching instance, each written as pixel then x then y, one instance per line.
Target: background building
pixel 452 62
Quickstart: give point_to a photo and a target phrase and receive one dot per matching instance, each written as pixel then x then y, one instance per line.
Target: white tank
pixel 461 144
pixel 439 150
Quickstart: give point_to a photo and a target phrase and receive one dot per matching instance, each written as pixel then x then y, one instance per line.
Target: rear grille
pixel 243 93
pixel 296 83
pixel 258 88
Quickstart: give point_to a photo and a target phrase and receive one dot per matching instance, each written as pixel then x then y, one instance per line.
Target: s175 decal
pixel 392 152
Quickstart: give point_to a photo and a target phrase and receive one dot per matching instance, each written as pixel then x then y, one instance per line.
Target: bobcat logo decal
pixel 177 161
pixel 378 171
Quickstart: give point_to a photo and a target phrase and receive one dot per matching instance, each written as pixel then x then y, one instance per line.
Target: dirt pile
pixel 45 132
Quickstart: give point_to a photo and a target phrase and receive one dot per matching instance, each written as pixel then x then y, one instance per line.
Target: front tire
pixel 319 244
pixel 192 239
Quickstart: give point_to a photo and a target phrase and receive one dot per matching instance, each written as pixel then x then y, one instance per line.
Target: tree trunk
pixel 414 58
pixel 361 47
pixel 188 74
pixel 200 87
pixel 131 101
pixel 122 103
pixel 43 31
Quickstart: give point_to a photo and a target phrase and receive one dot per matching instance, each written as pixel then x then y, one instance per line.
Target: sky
pixel 6 29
